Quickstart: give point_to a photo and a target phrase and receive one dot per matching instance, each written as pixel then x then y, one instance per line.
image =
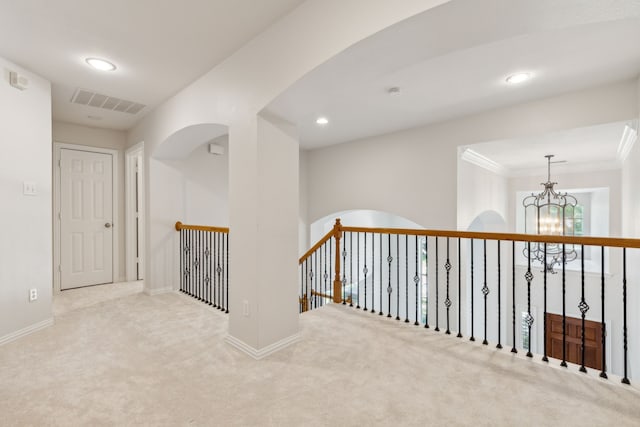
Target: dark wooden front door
pixel 592 343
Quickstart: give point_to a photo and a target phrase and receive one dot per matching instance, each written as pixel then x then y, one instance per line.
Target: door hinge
pixel 59 216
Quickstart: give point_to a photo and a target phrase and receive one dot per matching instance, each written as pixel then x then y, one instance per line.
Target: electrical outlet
pixel 33 294
pixel 245 308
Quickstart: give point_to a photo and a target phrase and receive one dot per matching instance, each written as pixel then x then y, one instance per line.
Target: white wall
pixel 480 190
pixel 304 242
pixel 25 246
pixel 413 173
pixel 70 133
pixel 631 228
pixel 204 185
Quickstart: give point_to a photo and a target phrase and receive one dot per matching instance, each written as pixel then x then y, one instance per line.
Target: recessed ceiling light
pixel 101 64
pixel 518 78
pixel 322 121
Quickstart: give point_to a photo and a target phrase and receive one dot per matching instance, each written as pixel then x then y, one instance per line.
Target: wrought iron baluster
pixel 499 345
pixel 318 276
pixel 194 264
pixel 329 287
pixel 564 309
pixel 584 307
pixel 381 262
pixel 416 280
pixel 181 260
pixel 373 272
pixel 625 380
pixel 209 269
pixel 513 296
pixel 226 270
pixel 397 277
pixel 190 263
pixel 344 267
pixel 426 284
pixel 305 298
pixel 529 319
pixel 311 268
pixel 351 268
pixel 365 271
pixel 389 288
pixel 216 273
pixel 485 289
pixel 437 264
pixel 447 301
pixel 472 338
pixel 358 268
pixel 223 271
pixel 544 275
pixel 325 276
pixel 603 373
pixel 459 287
pixel 200 265
pixel 406 279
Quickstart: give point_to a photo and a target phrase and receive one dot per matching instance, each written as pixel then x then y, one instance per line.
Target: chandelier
pixel 550 213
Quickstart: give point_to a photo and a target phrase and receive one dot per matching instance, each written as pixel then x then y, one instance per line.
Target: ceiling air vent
pixel 92 99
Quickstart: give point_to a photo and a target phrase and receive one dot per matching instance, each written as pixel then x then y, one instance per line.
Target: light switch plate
pixel 29 188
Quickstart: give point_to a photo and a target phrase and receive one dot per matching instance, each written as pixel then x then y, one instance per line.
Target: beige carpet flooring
pixel 117 357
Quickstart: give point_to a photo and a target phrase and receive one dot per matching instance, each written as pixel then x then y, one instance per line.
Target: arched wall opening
pixel 187 184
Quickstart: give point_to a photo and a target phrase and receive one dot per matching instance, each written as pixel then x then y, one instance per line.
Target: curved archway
pixel 181 143
pixel 359 218
pixel 488 221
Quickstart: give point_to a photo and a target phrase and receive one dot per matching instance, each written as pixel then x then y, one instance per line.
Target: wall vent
pixel 93 99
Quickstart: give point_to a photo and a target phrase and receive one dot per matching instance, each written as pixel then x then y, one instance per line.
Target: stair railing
pixel 421 276
pixel 204 264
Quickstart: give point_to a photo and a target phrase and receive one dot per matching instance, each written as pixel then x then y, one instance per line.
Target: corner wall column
pixel 263 246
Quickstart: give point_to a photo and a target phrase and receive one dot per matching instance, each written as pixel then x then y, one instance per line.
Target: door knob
pixel 108 225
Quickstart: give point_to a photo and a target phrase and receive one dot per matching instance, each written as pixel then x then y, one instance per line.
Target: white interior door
pixel 86 218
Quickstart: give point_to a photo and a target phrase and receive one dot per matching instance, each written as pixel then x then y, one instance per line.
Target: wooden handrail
pixel 315 247
pixel 616 242
pixel 181 226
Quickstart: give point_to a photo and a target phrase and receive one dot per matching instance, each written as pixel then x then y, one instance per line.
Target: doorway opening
pixel 134 212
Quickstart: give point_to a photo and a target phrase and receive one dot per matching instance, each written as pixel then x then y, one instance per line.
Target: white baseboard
pixel 26 331
pixel 263 352
pixel 154 292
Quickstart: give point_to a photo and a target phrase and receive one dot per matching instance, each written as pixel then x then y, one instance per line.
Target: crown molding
pixel 629 137
pixel 470 156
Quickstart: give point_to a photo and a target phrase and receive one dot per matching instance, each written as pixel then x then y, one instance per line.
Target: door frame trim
pixel 57 149
pixel 129 202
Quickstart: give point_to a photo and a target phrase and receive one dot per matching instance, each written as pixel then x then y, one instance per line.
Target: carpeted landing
pixel 118 357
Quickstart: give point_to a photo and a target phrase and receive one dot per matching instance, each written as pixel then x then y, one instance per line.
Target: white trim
pixel 26 331
pixel 629 137
pixel 468 155
pixel 130 236
pixel 263 352
pixel 57 147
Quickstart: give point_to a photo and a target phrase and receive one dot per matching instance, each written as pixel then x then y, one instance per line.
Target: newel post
pixel 337 282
